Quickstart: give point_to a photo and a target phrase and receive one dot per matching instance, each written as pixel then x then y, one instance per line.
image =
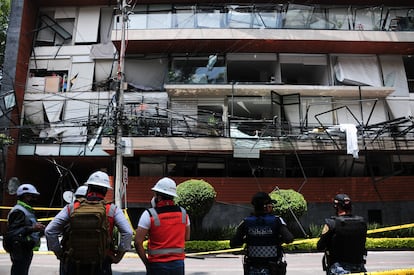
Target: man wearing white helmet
pixel 167 227
pixel 81 191
pixel 23 230
pixel 98 185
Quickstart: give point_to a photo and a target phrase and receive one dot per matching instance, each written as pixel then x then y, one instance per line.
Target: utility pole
pixel 120 108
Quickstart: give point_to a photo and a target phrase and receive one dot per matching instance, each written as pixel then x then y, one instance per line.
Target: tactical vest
pixel 30 219
pixel 263 239
pixel 348 240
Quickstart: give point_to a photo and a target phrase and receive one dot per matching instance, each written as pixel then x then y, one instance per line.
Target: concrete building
pixel 314 96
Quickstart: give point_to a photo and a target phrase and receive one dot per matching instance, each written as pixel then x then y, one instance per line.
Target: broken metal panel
pixel 76 110
pixel 33 113
pixel 59 64
pixel 73 133
pixel 358 70
pixel 394 74
pixel 87 25
pixel 398 108
pixel 65 12
pixel 53 110
pixel 106 25
pixel 81 76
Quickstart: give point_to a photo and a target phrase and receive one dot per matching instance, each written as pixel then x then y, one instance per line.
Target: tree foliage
pixel 197 197
pixel 288 201
pixel 4 21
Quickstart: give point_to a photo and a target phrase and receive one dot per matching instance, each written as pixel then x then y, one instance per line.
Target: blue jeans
pixel 167 268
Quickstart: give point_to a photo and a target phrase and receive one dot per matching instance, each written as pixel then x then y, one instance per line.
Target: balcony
pixel 279 28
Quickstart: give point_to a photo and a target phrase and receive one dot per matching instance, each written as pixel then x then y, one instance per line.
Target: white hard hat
pixel 26 189
pixel 99 179
pixel 81 191
pixel 166 186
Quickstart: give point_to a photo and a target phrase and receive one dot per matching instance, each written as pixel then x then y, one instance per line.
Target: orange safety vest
pixel 167 234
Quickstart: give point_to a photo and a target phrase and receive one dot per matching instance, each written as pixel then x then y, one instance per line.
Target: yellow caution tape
pixel 409 271
pixel 214 252
pixel 390 228
pixel 127 217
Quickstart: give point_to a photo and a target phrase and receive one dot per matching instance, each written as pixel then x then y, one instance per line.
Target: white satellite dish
pixel 68 196
pixel 12 185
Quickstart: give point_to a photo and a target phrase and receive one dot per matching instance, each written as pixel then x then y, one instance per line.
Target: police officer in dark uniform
pixel 343 240
pixel 263 234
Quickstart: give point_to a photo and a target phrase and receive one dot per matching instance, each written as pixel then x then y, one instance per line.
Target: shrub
pixel 290 205
pixel 224 233
pixel 315 230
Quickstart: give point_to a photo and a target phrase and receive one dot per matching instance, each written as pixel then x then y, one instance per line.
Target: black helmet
pixel 343 200
pixel 260 199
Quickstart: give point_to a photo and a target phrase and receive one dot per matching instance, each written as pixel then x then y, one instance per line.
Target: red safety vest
pixel 167 234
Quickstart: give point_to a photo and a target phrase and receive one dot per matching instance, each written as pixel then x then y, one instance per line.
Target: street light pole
pixel 120 109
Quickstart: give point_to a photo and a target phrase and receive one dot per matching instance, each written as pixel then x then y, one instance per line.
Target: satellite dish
pixel 12 185
pixel 68 196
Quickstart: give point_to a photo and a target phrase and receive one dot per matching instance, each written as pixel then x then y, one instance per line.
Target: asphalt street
pixel 45 263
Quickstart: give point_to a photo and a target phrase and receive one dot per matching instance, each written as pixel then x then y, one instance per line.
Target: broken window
pixel 46 81
pixel 339 18
pixel 159 17
pixel 367 18
pixel 251 117
pixel 399 19
pixel 251 68
pixel 299 69
pixel 297 16
pixel 198 70
pixel 209 16
pixel 184 17
pixel 53 31
pixel 210 119
pixel 409 71
pixel 239 16
pixel 268 16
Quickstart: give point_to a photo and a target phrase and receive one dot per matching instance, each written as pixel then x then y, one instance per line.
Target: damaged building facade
pixel 315 97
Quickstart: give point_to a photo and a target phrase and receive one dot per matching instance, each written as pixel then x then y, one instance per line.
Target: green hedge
pixel 306 245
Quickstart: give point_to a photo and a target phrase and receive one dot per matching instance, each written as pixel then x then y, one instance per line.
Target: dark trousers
pixel 167 268
pixel 21 259
pixel 71 268
pixel 269 267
